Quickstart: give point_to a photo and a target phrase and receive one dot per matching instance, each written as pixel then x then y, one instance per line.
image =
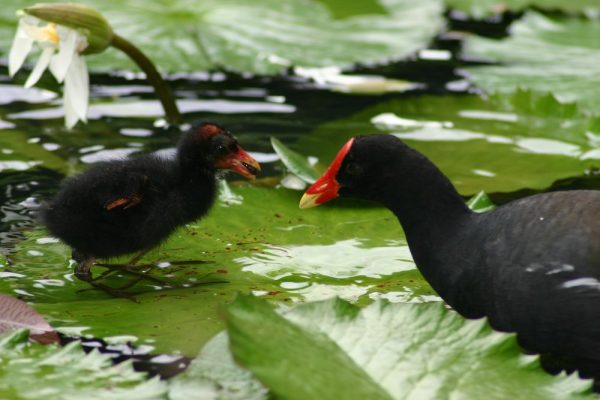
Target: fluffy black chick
pixel 126 206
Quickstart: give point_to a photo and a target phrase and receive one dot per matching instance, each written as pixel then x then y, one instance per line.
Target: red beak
pixel 326 187
pixel 240 162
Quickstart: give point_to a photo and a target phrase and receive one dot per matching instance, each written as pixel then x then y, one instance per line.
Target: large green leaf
pixel 33 371
pixel 20 153
pixel 295 163
pixel 558 55
pixel 332 350
pixel 214 375
pixel 484 8
pixel 502 144
pixel 481 203
pixel 268 345
pixel 263 36
pixel 256 241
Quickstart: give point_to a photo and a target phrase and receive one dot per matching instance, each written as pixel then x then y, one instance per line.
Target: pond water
pixel 256 240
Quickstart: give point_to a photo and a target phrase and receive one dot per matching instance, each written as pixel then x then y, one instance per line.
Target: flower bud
pixel 85 19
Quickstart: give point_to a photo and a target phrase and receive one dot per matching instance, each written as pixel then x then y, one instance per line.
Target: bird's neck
pixel 194 188
pixel 195 176
pixel 424 199
pixel 434 218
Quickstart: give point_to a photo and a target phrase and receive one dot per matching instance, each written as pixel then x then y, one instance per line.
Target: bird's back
pixel 82 216
pixel 540 271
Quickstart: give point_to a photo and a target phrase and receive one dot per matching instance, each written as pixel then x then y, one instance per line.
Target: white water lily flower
pixel 61 52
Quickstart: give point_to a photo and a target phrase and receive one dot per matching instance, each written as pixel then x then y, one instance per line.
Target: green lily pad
pixel 332 350
pixel 20 153
pixel 265 36
pixel 33 371
pixel 262 243
pixel 503 144
pixel 295 162
pixel 485 8
pixel 481 203
pixel 213 375
pixel 545 54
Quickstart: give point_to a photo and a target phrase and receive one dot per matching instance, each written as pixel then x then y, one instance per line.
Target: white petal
pixel 40 67
pixel 70 113
pixel 76 92
pixel 30 20
pixel 67 49
pixel 20 49
pixel 77 86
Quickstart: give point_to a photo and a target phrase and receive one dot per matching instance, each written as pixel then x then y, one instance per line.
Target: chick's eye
pixel 353 168
pixel 221 149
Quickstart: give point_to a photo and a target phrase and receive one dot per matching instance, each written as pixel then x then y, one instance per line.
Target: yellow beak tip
pixel 308 201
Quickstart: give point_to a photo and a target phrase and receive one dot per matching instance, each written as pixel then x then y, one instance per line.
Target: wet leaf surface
pixel 215 375
pixel 545 54
pixel 266 36
pixel 331 348
pixel 296 163
pixel 506 143
pixel 481 203
pixel 33 371
pixel 277 251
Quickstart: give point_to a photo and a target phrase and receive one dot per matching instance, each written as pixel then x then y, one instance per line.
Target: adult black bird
pixel 126 206
pixel 531 266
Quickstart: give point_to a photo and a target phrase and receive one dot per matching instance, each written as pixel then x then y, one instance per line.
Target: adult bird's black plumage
pixel 532 266
pixel 120 207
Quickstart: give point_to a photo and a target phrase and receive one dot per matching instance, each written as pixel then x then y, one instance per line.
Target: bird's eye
pixel 221 149
pixel 353 168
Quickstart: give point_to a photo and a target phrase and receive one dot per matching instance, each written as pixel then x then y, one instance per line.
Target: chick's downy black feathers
pixel 120 207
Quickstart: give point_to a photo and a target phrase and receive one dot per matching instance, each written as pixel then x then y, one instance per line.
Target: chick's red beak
pixel 241 163
pixel 326 187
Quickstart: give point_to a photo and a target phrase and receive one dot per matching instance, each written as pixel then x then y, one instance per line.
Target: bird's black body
pixel 172 195
pixel 531 266
pixel 126 206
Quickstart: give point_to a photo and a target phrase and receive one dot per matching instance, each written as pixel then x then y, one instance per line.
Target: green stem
pixel 160 86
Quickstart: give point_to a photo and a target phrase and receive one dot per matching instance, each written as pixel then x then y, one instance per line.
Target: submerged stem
pixel 161 88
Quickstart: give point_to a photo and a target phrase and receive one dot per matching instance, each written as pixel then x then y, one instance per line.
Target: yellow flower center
pixel 49 33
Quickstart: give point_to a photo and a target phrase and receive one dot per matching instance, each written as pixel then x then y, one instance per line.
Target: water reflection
pixel 18 201
pixel 13 93
pixel 344 259
pixel 107 155
pixel 136 132
pixel 548 146
pixel 489 115
pixel 333 78
pixel 6 125
pixel 16 165
pixel 151 108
